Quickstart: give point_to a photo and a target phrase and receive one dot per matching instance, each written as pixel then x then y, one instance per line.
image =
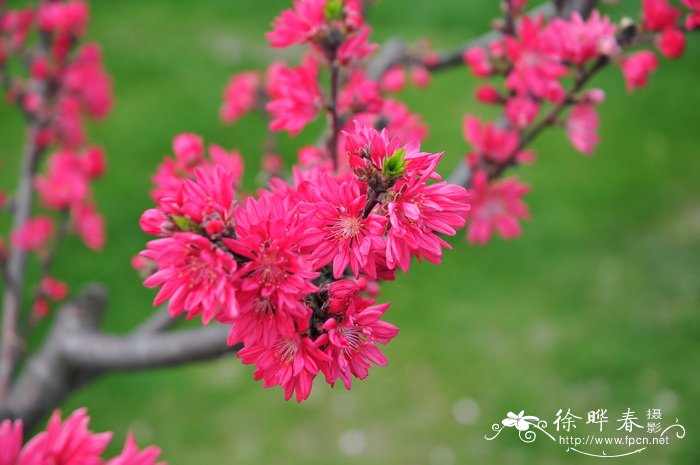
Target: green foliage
pixel 395 165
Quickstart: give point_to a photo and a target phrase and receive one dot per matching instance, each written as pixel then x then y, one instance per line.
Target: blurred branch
pixel 566 7
pixel 14 270
pixel 10 344
pixel 76 352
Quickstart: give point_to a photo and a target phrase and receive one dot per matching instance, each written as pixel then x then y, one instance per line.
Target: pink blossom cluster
pixel 539 59
pixel 337 38
pixel 68 442
pixel 288 268
pixel 63 85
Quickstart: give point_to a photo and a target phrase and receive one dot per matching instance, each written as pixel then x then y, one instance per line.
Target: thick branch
pixel 109 353
pixel 77 352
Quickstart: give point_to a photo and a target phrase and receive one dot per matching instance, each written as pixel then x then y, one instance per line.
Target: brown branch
pixel 76 352
pixel 333 111
pixel 14 271
pixel 16 264
pixel 104 352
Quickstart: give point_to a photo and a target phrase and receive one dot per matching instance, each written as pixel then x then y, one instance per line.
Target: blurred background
pixel 596 306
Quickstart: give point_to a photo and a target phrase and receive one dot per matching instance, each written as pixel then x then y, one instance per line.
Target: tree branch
pixel 76 352
pixel 14 271
pixel 109 353
pixel 10 345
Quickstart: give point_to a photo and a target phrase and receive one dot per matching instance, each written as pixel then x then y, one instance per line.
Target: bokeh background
pixel 596 306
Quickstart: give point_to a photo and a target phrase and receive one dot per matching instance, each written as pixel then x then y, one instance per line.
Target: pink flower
pixel 658 14
pixel 352 338
pixel 368 151
pixel 401 123
pixel 356 47
pixel 582 128
pixel 240 96
pixel 637 68
pixel 398 121
pixel 17 24
pixel 33 234
pixel 292 362
pixel 131 455
pixel 53 288
pixel 489 141
pixel 420 76
pixel 671 43
pixel 89 225
pixel 188 149
pixel 94 164
pixel 579 40
pixel 68 129
pixel 40 309
pixel 210 196
pixel 276 276
pixel 495 206
pixel 67 18
pixel 68 442
pixel 172 174
pixel 230 161
pixel 87 80
pixel 417 214
pixel 65 183
pixel 479 62
pixel 692 21
pixel 195 275
pixel 518 5
pixel 298 25
pixel 296 97
pixel 594 96
pixel 311 155
pixel 488 94
pixel 10 441
pixel 360 94
pixel 536 63
pixel 156 223
pixel 521 111
pixel 338 231
pixel 394 79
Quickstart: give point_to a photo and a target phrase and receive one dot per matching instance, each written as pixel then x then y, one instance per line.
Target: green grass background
pixel 596 306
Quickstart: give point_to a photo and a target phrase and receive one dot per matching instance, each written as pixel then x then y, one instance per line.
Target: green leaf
pixel 334 9
pixel 185 224
pixel 395 165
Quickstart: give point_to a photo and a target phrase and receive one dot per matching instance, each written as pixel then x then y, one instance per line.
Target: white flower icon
pixel 520 421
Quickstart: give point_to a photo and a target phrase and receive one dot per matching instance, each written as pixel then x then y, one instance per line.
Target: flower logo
pixel 521 421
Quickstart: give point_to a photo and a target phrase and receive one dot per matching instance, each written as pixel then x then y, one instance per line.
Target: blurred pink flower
pixel 495 206
pixel 33 234
pixel 582 128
